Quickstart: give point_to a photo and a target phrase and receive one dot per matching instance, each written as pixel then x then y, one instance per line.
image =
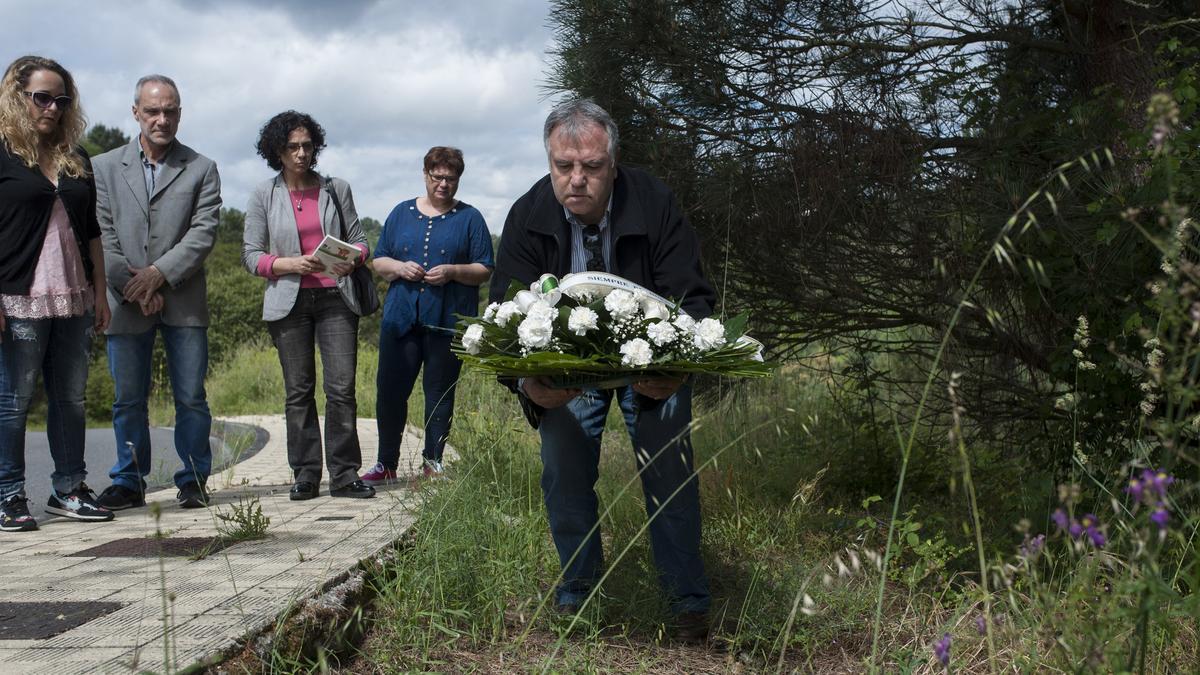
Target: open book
pixel 332 250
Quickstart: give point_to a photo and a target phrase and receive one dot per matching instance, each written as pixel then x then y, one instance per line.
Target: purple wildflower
pixel 1060 518
pixel 1160 516
pixel 981 624
pixel 1030 548
pixel 1136 489
pixel 1097 537
pixel 1158 480
pixel 941 649
pixel 1075 529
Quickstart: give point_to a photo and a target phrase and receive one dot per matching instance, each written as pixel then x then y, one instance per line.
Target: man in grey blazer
pixel 158 203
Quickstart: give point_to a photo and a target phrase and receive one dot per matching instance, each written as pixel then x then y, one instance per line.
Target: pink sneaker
pixel 379 475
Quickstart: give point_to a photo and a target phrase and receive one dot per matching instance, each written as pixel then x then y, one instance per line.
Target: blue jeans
pixel 59 349
pixel 570 466
pixel 129 360
pixel 320 317
pixel 400 359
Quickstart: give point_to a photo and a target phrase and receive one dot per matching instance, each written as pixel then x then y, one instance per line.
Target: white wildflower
pixel 1065 402
pixel 471 338
pixel 505 312
pixel 636 353
pixel 490 312
pixel 621 305
pixel 1148 404
pixel 661 333
pixel 1081 332
pixel 1077 353
pixel 709 334
pixel 1087 365
pixel 581 320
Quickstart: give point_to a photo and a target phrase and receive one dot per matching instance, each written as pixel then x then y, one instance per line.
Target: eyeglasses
pixel 448 180
pixel 44 99
pixel 297 147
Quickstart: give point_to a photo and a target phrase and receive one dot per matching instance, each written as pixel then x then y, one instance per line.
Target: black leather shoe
pixel 192 496
pixel 119 497
pixel 302 490
pixel 355 490
pixel 690 627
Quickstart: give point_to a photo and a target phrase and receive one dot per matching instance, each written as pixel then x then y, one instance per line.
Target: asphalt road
pixel 100 453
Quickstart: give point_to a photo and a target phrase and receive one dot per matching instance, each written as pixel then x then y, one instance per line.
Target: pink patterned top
pixel 60 286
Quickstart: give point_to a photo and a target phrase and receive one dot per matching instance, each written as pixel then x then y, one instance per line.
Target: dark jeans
pixel 59 349
pixel 320 317
pixel 129 360
pixel 400 359
pixel 570 466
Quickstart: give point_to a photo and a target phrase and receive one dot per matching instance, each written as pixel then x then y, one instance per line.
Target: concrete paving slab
pixel 213 601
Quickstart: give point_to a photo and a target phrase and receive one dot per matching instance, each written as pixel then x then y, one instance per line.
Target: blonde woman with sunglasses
pixel 51 268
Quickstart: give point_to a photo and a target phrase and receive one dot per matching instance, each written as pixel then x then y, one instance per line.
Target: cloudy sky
pixel 387 79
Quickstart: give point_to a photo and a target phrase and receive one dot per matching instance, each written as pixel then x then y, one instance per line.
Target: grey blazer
pixel 173 229
pixel 271 228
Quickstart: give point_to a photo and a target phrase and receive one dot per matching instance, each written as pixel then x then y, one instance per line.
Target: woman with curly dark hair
pixel 307 303
pixel 51 284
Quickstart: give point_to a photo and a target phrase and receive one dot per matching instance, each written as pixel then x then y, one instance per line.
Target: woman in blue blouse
pixel 435 251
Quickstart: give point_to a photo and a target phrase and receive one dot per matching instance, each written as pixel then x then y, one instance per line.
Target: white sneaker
pixel 433 469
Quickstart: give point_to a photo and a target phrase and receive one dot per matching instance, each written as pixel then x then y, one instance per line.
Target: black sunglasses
pixel 43 99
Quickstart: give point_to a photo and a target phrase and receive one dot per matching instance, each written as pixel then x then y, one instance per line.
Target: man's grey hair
pixel 146 79
pixel 574 116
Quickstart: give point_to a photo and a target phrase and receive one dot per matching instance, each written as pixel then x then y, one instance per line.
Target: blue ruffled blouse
pixel 457 237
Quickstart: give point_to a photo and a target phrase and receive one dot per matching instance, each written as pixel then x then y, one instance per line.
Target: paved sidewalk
pixel 203 606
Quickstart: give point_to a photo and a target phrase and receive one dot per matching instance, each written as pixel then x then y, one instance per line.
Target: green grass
pixel 789 531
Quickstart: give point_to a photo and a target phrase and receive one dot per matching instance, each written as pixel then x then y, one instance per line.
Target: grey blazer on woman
pixel 271 228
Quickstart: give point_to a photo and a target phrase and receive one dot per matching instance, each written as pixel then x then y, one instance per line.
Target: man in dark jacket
pixel 589 214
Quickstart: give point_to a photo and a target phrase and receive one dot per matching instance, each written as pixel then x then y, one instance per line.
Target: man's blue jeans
pixel 400 359
pixel 59 349
pixel 129 361
pixel 663 450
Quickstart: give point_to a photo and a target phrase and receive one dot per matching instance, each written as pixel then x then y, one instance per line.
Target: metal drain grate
pixel 41 620
pixel 152 547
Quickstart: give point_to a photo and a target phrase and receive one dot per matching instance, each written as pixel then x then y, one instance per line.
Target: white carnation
pixel 636 353
pixel 621 305
pixel 709 334
pixel 685 323
pixel 653 309
pixel 535 332
pixel 490 312
pixel 471 338
pixel 661 333
pixel 506 312
pixel 542 312
pixel 581 320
